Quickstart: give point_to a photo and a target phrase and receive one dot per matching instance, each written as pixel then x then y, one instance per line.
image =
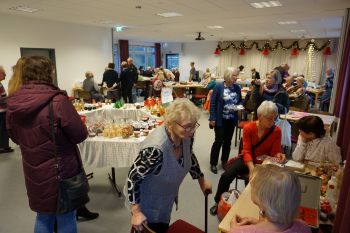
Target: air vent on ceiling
pixel 200 37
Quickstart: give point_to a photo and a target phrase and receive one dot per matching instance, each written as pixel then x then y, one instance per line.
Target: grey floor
pixel 16 216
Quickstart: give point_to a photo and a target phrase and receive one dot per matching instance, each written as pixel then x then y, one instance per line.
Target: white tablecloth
pixel 115 152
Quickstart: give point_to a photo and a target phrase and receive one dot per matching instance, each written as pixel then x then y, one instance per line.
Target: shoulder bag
pixel 72 192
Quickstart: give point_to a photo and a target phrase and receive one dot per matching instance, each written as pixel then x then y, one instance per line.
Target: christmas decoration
pixel 266 52
pixel 278 44
pixel 217 50
pixel 242 51
pixel 327 51
pixel 294 52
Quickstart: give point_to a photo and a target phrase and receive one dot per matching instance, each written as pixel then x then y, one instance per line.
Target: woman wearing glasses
pixel 163 162
pixel 223 116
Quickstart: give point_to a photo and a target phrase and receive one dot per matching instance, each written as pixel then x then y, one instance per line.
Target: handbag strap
pixel 263 138
pixel 53 137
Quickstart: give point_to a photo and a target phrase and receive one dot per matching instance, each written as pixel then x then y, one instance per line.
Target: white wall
pixel 200 52
pixel 78 48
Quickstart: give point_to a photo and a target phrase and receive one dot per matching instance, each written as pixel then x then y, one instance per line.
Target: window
pixel 172 61
pixel 143 55
pixel 116 56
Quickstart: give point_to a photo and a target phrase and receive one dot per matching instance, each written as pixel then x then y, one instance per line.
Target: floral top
pixel 297 227
pixel 149 161
pixel 318 150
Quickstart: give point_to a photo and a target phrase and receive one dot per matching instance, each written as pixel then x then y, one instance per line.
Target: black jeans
pixel 127 95
pixel 223 137
pixel 238 167
pixel 4 138
pixel 158 227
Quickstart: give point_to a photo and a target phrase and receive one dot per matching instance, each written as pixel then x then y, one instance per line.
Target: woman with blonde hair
pixel 28 122
pixel 277 193
pixel 163 162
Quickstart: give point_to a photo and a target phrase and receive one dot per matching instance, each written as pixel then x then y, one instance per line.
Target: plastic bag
pixel 286 132
pixel 226 201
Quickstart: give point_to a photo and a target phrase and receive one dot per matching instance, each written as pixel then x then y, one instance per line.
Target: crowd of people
pixel 167 153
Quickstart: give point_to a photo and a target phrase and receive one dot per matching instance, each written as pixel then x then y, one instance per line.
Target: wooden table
pixel 244 207
pixel 294 116
pixel 180 89
pixel 316 92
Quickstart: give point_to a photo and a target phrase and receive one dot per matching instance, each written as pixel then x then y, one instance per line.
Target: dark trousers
pixel 4 138
pixel 127 95
pixel 238 167
pixel 223 138
pixel 158 227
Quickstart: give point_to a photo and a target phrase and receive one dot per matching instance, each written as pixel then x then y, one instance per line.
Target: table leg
pixel 316 99
pixel 113 182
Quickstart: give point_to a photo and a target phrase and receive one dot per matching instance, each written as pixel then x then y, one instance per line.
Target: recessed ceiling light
pixel 24 9
pixel 287 22
pixel 297 30
pixel 169 14
pixel 259 5
pixel 215 27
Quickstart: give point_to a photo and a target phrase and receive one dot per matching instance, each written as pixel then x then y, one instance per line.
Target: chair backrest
pixel 84 95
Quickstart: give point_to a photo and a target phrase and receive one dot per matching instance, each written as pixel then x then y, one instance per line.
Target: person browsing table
pixel 166 157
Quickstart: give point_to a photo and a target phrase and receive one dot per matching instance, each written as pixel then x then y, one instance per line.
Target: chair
pixel 85 95
pixel 241 123
pixel 200 94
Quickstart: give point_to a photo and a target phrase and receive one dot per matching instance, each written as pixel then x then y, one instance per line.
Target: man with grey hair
pixel 4 138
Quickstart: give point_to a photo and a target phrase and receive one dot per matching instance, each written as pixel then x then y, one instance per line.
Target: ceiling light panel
pixel 215 27
pixel 169 14
pixel 266 4
pixel 24 9
pixel 287 22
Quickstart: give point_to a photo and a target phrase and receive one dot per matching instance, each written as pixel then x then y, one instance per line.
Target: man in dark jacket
pixel 111 79
pixel 128 78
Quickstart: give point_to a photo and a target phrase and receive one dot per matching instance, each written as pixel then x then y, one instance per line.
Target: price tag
pixel 167 95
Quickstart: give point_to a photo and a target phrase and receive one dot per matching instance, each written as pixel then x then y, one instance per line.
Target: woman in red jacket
pixel 253 132
pixel 28 123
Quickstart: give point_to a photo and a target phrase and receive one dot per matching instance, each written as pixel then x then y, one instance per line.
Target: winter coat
pixel 28 124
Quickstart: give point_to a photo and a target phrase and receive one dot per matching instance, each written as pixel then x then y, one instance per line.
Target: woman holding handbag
pixel 43 122
pixel 260 137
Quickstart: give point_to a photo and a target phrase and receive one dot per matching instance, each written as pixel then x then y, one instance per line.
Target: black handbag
pixel 72 192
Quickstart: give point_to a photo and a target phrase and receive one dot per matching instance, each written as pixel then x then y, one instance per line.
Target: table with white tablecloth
pixel 115 152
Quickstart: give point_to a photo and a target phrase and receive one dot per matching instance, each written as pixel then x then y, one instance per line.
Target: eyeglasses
pixel 189 128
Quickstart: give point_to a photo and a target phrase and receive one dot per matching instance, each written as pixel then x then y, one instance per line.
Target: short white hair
pixel 229 72
pixel 182 109
pixel 267 108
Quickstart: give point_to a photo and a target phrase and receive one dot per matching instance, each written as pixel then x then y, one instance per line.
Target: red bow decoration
pixel 327 51
pixel 266 52
pixel 241 51
pixel 217 50
pixel 294 52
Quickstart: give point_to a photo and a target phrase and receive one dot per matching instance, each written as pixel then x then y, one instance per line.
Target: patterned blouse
pixel 149 161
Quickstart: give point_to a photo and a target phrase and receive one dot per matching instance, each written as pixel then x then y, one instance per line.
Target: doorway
pixel 48 53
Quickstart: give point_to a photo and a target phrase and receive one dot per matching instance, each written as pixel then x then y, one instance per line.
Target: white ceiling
pixel 319 18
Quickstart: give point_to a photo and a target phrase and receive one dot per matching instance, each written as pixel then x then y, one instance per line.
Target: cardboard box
pixel 310 199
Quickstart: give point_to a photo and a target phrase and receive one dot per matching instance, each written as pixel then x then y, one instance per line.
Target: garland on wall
pixel 267 47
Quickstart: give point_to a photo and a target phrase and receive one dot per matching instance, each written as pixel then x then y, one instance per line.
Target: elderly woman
pixel 206 78
pixel 91 86
pixel 30 93
pixel 273 187
pixel 163 162
pixel 260 137
pixel 275 92
pixel 299 88
pixel 223 116
pixel 313 145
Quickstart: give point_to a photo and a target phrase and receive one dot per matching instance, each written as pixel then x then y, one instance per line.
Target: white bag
pixel 286 132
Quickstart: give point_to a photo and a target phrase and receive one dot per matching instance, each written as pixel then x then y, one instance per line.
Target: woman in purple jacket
pixel 30 92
